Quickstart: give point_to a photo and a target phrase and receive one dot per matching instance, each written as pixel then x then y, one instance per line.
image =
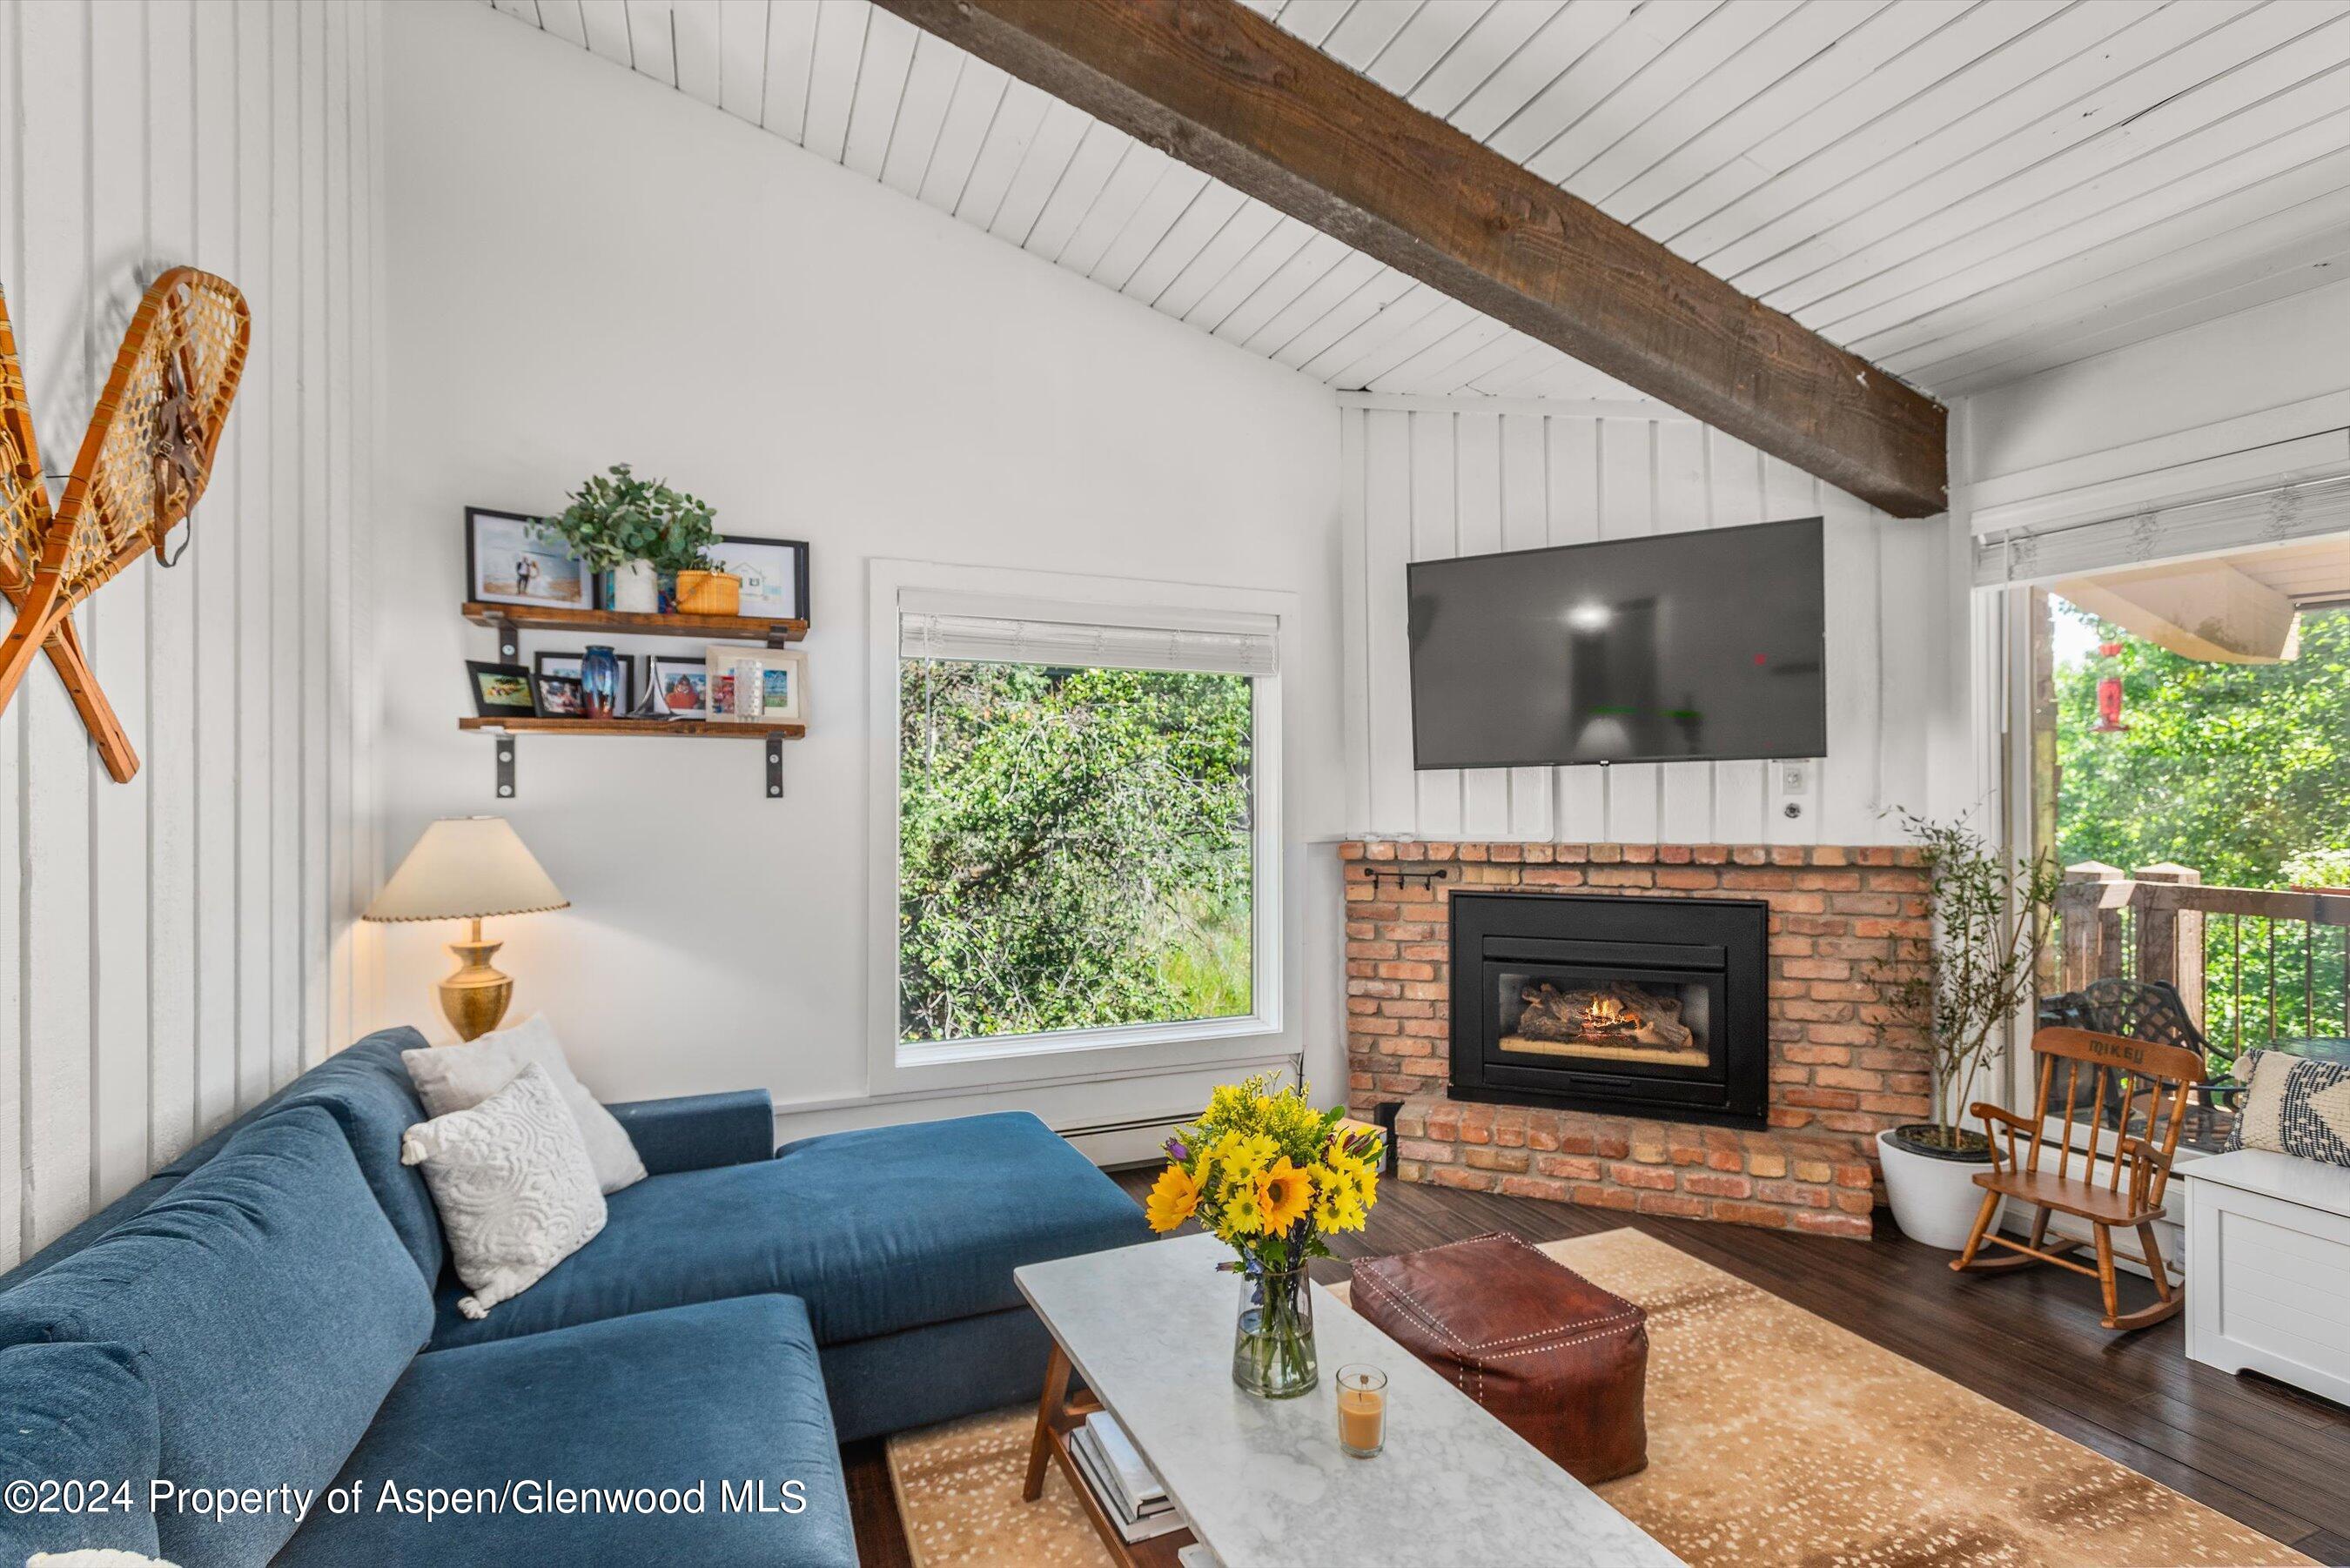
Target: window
pixel 1086 837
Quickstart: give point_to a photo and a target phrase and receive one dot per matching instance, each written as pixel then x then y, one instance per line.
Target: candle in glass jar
pixel 1362 1410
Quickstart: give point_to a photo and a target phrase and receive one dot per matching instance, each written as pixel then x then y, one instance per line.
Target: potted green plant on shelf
pixel 1992 919
pixel 637 530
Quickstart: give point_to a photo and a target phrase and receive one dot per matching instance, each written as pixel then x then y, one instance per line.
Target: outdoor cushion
pixel 77 1415
pixel 725 1391
pixel 877 1231
pixel 270 1307
pixel 2295 1107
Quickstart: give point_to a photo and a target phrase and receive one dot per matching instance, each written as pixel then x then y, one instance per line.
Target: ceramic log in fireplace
pixel 1651 1007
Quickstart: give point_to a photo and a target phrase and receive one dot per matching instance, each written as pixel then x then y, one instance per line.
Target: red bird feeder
pixel 2109 695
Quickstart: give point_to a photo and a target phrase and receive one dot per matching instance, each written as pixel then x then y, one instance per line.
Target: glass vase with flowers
pixel 1270 1177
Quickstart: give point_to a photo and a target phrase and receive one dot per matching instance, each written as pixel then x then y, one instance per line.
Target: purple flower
pixel 1176 1152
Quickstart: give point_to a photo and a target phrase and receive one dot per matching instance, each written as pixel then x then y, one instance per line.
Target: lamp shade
pixel 466 868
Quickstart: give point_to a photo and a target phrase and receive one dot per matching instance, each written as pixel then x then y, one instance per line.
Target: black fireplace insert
pixel 1632 1006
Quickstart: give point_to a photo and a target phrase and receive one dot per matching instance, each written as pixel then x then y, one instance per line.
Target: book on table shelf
pixel 1139 1487
pixel 1155 1517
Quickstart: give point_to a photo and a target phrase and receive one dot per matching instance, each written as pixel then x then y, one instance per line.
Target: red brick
pixel 1536 1187
pixel 1709 1184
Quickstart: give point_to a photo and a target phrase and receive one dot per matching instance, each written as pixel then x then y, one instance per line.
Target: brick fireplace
pixel 1839 1070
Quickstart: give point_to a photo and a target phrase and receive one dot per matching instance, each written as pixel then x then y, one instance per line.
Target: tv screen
pixel 1693 647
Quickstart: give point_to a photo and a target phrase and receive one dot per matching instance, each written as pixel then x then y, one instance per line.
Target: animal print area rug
pixel 1775 1436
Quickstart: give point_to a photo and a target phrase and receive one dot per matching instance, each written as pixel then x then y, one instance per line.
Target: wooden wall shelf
pixel 707 729
pixel 723 627
pixel 510 621
pixel 504 731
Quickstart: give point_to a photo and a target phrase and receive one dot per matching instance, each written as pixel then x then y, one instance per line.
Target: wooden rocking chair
pixel 2037 1164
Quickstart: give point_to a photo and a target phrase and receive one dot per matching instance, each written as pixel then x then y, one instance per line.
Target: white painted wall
pixel 2242 403
pixel 584 266
pixel 173 947
pixel 1425 479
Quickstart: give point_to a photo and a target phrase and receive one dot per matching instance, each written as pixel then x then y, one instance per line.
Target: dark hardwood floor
pixel 2268 1455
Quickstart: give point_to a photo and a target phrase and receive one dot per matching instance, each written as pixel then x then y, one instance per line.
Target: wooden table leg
pixel 1048 1406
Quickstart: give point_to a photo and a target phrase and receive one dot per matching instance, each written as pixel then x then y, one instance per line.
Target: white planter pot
pixel 635 588
pixel 1934 1200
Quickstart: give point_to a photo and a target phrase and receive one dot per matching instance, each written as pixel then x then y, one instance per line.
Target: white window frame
pixel 892 1068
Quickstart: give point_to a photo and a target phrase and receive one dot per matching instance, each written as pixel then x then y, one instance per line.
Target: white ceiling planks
pixel 1964 192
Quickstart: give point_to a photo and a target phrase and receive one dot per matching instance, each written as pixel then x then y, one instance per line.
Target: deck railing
pixel 2252 964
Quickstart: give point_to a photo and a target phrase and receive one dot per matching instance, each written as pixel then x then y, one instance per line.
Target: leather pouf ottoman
pixel 1559 1361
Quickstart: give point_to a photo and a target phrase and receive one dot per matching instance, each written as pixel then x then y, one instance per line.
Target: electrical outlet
pixel 1794 778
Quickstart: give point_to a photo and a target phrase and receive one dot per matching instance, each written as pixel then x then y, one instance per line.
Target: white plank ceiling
pixel 1964 192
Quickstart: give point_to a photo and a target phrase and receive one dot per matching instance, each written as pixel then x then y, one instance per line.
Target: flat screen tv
pixel 1698 647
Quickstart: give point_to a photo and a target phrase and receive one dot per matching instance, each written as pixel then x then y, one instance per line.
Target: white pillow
pixel 459 1077
pixel 514 1186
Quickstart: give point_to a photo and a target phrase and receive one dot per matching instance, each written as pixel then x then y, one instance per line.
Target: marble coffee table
pixel 1264 1483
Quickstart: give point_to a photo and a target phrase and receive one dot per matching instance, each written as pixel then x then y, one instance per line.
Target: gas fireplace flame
pixel 1606 1013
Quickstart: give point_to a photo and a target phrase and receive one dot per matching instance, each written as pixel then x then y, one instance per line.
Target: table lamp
pixel 469 868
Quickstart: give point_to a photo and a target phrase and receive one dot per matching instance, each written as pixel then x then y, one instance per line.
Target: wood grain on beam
pixel 1226 91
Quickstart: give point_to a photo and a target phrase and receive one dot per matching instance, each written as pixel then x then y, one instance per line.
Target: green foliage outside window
pixel 2239 771
pixel 1075 849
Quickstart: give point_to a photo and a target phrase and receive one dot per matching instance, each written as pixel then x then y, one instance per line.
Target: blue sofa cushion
pixel 269 1306
pixel 719 1393
pixel 355 1091
pixel 367 1091
pixel 694 1132
pixel 877 1231
pixel 80 1415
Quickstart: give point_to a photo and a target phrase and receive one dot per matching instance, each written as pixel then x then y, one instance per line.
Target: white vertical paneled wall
pixel 1424 479
pixel 175 947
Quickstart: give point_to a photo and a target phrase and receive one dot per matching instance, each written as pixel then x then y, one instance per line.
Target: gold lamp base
pixel 474 998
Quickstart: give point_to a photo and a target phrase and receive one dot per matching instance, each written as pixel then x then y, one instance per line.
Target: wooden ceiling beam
pixel 1222 88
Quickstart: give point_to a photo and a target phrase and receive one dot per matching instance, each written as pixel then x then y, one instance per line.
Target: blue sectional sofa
pixel 272 1316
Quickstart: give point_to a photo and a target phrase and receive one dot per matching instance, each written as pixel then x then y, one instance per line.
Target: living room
pixel 1488 743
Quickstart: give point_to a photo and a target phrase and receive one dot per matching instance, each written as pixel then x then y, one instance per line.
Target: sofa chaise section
pixel 900 1239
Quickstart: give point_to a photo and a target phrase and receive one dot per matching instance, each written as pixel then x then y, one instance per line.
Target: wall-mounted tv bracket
pixel 1379 875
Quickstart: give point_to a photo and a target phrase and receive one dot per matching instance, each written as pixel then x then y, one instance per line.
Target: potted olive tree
pixel 637 530
pixel 1991 918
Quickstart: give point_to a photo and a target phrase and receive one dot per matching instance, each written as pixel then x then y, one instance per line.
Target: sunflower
pixel 1173 1199
pixel 1283 1193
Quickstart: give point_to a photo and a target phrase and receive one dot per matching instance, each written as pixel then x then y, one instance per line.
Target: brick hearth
pixel 1841 917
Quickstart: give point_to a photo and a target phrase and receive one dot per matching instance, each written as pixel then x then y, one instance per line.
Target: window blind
pixel 2275 517
pixel 1003 639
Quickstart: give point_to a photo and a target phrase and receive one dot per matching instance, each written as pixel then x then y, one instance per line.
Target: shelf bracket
pixel 509 646
pixel 774 767
pixel 503 743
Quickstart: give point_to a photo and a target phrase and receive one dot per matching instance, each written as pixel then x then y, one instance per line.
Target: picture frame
pixel 775 573
pixel 563 665
pixel 509 560
pixel 501 691
pixel 783 674
pixel 560 697
pixel 677 686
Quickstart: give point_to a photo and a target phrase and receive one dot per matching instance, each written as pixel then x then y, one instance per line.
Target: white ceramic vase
pixel 635 588
pixel 1934 1200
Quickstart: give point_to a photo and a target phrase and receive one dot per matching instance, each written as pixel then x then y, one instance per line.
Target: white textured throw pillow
pixel 514 1186
pixel 459 1077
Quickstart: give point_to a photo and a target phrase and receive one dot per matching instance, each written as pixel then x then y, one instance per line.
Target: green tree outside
pixel 1075 849
pixel 2231 768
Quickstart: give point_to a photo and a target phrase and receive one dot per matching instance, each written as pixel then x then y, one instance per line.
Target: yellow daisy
pixel 1172 1200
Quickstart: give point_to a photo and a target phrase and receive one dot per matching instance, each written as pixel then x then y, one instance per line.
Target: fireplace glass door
pixel 1602 1017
